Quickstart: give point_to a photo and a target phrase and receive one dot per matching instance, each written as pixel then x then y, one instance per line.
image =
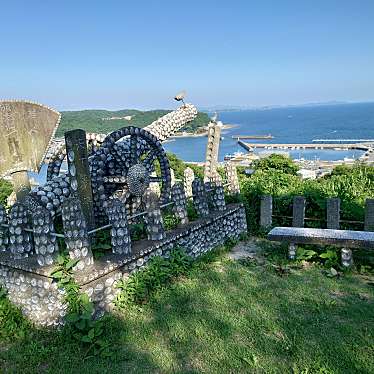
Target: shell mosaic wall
pixel 108 186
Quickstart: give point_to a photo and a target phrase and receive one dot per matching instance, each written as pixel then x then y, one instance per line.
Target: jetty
pixel 340 146
pixel 269 136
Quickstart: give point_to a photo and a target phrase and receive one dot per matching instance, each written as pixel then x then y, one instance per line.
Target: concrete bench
pixel 346 239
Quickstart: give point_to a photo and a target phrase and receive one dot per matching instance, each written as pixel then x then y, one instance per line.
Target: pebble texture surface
pixel 42 302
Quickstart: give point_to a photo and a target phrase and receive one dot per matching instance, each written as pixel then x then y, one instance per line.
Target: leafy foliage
pixel 5 190
pixel 81 325
pixel 352 185
pixel 160 271
pixel 92 120
pixel 12 323
pixel 170 220
pixel 276 162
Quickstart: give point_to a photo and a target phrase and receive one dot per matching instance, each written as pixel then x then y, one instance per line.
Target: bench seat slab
pixel 341 238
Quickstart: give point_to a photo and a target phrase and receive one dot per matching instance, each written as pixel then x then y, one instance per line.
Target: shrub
pixel 5 190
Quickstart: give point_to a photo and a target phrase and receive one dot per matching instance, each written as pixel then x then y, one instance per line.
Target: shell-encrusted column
pixel 189 177
pixel 4 231
pixel 232 178
pixel 153 219
pixel 46 246
pixel 200 198
pixel 120 235
pixel 167 125
pixel 76 233
pixel 217 197
pixel 20 240
pixel 180 204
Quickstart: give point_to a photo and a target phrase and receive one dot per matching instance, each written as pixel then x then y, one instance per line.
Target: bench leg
pixel 292 251
pixel 346 256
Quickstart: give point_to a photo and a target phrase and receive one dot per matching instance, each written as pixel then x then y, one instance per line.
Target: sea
pixel 301 124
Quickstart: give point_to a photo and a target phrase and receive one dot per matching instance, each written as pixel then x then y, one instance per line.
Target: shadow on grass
pixel 226 318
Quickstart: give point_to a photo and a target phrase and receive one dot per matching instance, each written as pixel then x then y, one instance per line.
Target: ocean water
pixel 288 125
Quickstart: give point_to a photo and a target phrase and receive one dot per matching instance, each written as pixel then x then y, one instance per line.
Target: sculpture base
pixel 32 289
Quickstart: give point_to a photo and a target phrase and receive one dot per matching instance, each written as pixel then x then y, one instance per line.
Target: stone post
pixel 298 211
pixel 292 251
pixel 120 234
pixel 180 203
pixel 21 184
pixel 346 257
pixel 200 198
pixel 4 231
pixel 172 177
pixel 153 219
pixel 266 211
pixel 211 159
pixel 189 177
pixel 79 173
pixel 76 233
pixel 333 213
pixel 154 186
pixel 369 215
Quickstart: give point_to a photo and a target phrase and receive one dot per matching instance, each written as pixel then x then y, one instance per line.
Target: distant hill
pixel 104 121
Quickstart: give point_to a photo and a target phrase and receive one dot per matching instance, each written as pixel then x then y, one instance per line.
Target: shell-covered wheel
pixel 126 159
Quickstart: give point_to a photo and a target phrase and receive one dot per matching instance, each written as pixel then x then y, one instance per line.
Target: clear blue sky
pixel 138 54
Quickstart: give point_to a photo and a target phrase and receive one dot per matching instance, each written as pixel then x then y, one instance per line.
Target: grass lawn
pixel 225 317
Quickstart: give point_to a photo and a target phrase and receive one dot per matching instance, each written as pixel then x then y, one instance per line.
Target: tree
pixel 276 162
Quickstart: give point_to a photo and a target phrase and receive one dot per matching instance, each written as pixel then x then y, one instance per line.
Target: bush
pixel 352 185
pixel 276 162
pixel 5 190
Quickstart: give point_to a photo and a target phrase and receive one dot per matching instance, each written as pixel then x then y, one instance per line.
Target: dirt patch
pixel 251 249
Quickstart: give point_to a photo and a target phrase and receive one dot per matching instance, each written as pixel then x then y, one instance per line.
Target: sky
pixel 139 54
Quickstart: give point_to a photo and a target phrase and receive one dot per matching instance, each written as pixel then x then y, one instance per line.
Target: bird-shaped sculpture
pixel 180 97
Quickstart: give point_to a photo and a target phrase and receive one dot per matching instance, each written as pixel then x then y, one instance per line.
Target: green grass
pixel 224 317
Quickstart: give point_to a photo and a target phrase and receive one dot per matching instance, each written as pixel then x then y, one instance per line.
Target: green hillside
pixel 92 120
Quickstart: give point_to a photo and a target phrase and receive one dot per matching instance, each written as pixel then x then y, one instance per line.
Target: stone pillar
pixel 292 251
pixel 333 213
pixel 21 184
pixel 232 178
pixel 189 177
pixel 4 231
pixel 153 219
pixel 346 257
pixel 79 173
pixel 76 233
pixel 21 243
pixel 46 246
pixel 211 158
pixel 180 203
pixel 266 211
pixel 369 215
pixel 154 186
pixel 120 234
pixel 298 211
pixel 200 198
